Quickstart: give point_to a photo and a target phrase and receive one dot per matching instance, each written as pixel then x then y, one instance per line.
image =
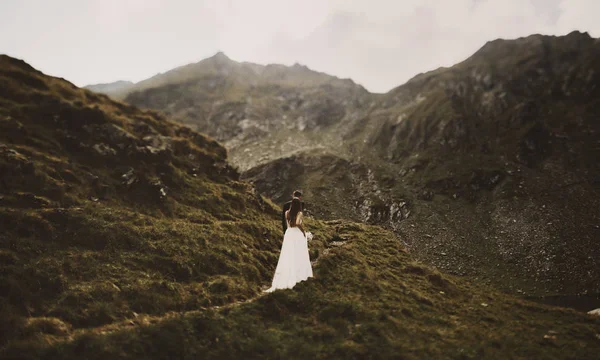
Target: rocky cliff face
pixel 486 168
pixel 509 137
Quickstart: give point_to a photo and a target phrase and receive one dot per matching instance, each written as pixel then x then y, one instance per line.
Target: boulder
pixel 157 143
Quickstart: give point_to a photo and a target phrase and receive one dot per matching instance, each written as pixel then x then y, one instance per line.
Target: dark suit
pixel 286 207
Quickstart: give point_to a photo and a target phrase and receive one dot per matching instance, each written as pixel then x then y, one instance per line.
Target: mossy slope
pixel 107 211
pixel 368 300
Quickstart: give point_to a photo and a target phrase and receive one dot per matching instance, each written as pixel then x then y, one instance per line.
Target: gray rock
pixel 104 150
pixel 157 143
pixel 129 177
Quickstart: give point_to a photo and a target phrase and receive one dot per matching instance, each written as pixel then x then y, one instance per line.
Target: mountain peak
pixel 220 56
pixel 16 62
pixel 574 38
pixel 579 34
pixel 300 66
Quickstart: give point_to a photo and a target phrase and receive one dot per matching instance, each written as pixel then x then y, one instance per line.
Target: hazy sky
pixel 378 43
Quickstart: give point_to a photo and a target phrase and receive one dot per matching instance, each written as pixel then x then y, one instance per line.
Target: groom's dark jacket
pixel 286 207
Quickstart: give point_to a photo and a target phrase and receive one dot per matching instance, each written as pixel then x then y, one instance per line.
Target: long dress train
pixel 294 262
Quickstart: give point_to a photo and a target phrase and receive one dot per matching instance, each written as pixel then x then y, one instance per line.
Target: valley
pixel 484 169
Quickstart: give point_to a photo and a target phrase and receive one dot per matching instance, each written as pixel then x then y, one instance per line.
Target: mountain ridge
pixel 221 57
pixel 108 88
pixel 221 64
pixel 483 138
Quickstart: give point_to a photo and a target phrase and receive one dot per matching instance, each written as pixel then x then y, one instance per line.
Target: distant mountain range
pixel 111 87
pixel 487 168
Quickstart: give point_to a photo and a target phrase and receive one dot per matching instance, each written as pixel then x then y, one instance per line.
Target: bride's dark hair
pixel 295 208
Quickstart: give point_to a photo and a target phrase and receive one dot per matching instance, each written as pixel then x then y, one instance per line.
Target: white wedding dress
pixel 294 263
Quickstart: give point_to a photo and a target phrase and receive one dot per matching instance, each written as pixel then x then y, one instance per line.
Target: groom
pixel 286 207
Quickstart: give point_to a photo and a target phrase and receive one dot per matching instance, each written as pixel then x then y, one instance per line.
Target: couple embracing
pixel 294 263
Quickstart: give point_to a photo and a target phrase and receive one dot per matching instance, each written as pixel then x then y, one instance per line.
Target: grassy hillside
pixel 107 211
pixel 368 300
pixel 124 235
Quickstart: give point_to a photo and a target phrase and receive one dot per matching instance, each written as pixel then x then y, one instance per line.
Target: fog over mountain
pixel 380 43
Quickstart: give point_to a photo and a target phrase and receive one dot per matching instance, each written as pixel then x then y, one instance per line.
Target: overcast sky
pixel 378 43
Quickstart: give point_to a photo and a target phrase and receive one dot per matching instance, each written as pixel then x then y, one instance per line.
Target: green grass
pixel 89 239
pixel 368 299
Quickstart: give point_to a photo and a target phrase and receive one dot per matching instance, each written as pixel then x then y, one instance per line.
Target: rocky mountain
pixel 125 235
pixel 508 137
pixel 487 168
pixel 110 88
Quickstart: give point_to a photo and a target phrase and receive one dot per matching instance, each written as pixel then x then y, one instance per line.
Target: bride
pixel 294 263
